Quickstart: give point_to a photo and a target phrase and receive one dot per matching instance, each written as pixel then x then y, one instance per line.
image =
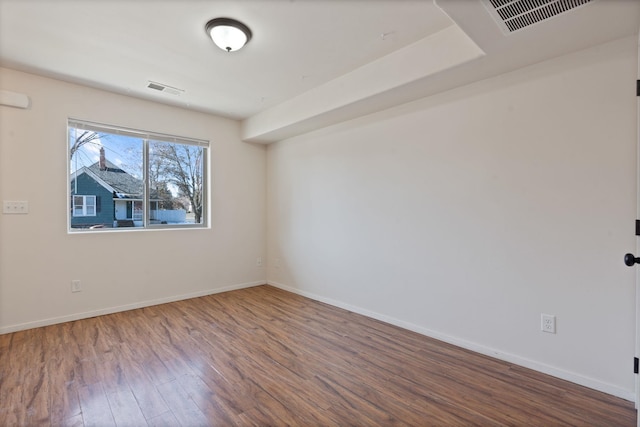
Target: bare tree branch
pixel 84 138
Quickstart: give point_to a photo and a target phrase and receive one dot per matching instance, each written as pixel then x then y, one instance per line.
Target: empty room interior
pixel 317 212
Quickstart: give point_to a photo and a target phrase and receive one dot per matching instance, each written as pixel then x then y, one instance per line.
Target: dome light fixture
pixel 228 34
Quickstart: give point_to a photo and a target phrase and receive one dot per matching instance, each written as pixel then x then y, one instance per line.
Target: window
pixel 84 205
pixel 121 177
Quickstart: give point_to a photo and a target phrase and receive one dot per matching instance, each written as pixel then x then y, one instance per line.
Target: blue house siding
pixel 87 186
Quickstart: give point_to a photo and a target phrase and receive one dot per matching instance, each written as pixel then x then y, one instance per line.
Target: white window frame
pixel 147 137
pixel 84 205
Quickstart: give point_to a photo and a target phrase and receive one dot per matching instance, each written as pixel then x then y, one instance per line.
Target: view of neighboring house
pixel 104 195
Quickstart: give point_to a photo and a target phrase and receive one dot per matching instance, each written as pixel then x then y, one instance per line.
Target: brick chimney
pixel 103 161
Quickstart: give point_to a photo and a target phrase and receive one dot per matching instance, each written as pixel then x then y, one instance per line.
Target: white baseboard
pixel 133 306
pixel 469 345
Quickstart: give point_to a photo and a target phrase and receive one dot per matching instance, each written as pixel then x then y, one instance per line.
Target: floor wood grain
pixel 265 357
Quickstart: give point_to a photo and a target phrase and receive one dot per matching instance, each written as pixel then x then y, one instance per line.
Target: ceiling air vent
pixel 514 15
pixel 164 88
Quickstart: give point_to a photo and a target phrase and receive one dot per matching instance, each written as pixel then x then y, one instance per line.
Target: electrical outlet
pixel 259 261
pixel 548 323
pixel 76 286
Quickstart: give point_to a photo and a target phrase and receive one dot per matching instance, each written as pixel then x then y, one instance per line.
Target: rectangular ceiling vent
pixel 514 15
pixel 164 88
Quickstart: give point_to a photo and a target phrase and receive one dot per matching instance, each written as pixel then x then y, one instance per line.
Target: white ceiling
pixel 310 63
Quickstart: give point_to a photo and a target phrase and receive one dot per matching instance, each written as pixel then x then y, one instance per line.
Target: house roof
pixel 116 180
pixel 123 184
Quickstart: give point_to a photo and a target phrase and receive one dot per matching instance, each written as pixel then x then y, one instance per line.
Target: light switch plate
pixel 15 207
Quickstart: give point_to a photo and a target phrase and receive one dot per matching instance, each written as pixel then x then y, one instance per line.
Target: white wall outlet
pixel 548 323
pixel 15 207
pixel 76 286
pixel 259 261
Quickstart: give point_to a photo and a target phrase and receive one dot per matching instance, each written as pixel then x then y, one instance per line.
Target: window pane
pixel 176 177
pixel 107 167
pixel 90 205
pixel 78 206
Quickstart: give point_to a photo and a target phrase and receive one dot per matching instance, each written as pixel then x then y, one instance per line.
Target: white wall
pixel 38 259
pixel 468 214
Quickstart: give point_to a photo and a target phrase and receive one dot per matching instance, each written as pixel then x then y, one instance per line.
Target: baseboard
pixel 117 309
pixel 469 345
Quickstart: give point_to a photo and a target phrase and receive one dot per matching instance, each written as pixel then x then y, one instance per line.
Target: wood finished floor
pixel 265 357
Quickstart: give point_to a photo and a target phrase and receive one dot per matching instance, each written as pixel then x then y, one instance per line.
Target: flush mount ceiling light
pixel 228 34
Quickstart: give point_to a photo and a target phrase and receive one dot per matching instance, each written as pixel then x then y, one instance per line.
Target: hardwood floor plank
pixel 95 406
pixel 166 419
pixel 182 406
pixel 112 376
pixel 300 407
pixel 86 372
pixel 214 409
pixel 262 356
pixel 63 393
pixel 125 409
pixel 82 335
pixel 149 399
pixel 33 388
pixel 75 421
pixel 240 396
